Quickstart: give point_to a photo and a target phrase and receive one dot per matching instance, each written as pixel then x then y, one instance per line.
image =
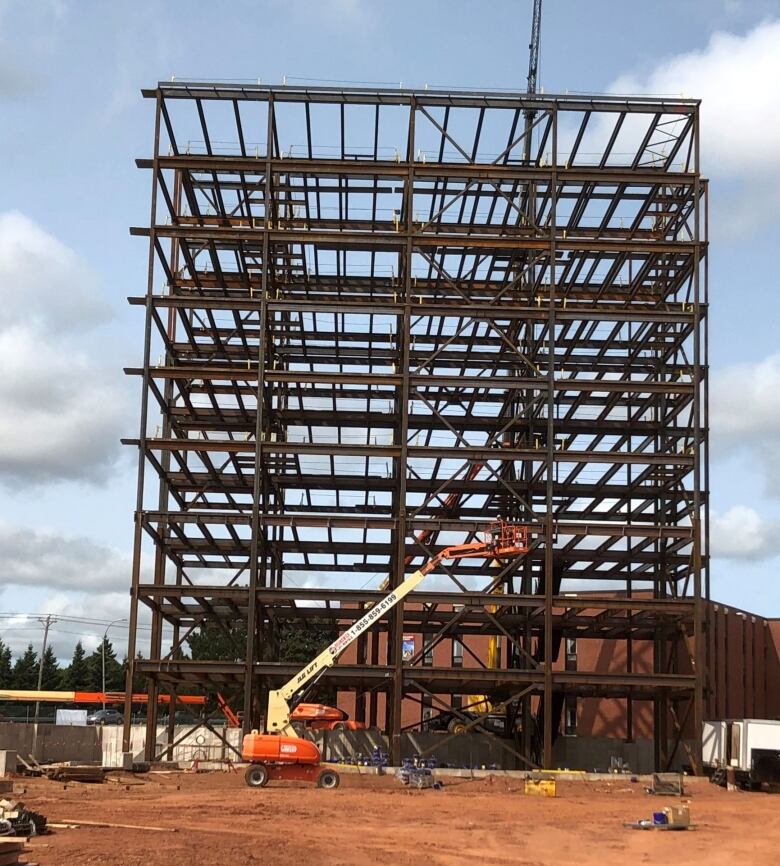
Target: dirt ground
pixel 375 820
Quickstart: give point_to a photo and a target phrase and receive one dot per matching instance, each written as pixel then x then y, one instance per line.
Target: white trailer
pixel 750 746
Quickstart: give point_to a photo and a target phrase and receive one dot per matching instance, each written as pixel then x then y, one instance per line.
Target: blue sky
pixel 73 121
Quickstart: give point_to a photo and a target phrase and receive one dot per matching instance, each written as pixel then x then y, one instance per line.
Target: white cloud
pixel 740 116
pixel 746 401
pixel 81 582
pixel 40 558
pixel 62 413
pixel 43 283
pixel 76 617
pixel 745 415
pixel 740 112
pixel 63 409
pixel 742 533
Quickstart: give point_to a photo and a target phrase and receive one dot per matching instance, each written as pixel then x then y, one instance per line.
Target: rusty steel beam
pixel 368 351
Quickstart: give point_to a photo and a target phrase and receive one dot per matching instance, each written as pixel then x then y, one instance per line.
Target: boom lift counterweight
pixel 280 753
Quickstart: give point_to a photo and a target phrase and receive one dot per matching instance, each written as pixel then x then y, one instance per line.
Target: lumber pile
pixel 10 851
pixel 73 772
pixel 65 771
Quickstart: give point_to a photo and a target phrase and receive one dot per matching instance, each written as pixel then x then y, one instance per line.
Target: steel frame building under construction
pixel 378 319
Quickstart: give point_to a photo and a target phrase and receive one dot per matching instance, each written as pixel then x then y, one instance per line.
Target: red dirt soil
pixel 376 820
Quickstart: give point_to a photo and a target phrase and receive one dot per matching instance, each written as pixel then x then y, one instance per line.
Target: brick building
pixel 742 652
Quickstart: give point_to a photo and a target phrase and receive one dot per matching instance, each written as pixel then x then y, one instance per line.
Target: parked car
pixel 106 717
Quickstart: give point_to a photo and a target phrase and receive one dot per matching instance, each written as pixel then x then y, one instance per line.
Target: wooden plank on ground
pixel 78 823
pixel 11 843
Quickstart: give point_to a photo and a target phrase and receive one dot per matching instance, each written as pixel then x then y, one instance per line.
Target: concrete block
pixel 7 762
pixel 127 761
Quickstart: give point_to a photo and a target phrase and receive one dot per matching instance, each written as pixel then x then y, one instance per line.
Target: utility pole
pixel 46 625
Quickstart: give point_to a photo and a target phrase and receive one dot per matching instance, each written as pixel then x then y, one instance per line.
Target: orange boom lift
pixel 280 753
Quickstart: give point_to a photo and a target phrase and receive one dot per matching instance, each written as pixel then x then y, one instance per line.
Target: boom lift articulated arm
pixel 501 539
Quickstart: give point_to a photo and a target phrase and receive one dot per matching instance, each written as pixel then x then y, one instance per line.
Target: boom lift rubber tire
pixel 456 726
pixel 256 776
pixel 328 779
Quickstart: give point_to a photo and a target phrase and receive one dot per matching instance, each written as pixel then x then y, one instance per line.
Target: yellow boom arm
pixel 278 700
pixel 502 539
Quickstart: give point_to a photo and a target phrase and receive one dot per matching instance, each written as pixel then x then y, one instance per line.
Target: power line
pixel 61 617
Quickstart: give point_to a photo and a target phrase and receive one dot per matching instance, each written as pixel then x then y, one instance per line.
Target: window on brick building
pixel 427 655
pixel 571 654
pixel 570 721
pixel 457 653
pixel 427 711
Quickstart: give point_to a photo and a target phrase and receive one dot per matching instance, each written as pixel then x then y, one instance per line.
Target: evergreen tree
pixel 25 670
pixel 300 643
pixel 139 681
pixel 50 675
pixel 214 644
pixel 76 677
pixel 5 666
pixel 114 672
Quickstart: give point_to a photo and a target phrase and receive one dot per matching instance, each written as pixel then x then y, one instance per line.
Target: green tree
pixel 289 642
pixel 51 675
pixel 76 677
pixel 301 642
pixel 139 680
pixel 5 666
pixel 293 642
pixel 114 671
pixel 215 644
pixel 25 670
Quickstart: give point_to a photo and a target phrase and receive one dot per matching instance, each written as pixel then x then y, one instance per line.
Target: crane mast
pixel 533 71
pixel 533 47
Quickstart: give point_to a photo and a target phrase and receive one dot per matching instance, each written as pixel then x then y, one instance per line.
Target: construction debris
pixel 417 777
pixel 67 772
pixel 669 818
pixel 28 769
pixel 16 820
pixel 10 851
pixel 668 784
